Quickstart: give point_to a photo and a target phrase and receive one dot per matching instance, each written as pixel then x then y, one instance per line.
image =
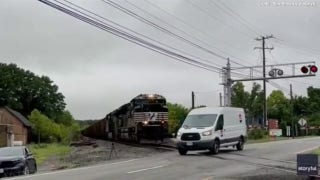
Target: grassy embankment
pixel 316 151
pixel 44 151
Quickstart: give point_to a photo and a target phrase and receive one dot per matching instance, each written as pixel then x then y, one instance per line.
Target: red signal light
pixel 304 69
pixel 313 68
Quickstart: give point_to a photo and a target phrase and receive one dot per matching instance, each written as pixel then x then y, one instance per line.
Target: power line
pixel 217 19
pixel 105 27
pixel 237 16
pixel 146 21
pixel 195 29
pixel 175 27
pixel 104 18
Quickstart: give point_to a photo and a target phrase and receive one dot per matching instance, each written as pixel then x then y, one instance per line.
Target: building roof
pixel 24 120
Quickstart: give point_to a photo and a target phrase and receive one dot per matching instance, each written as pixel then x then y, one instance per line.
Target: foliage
pixel 48 131
pixel 239 97
pixel 24 91
pixel 313 100
pixel 314 119
pixel 42 152
pixel 64 118
pixel 251 102
pixel 177 114
pixel 257 134
pixel 278 106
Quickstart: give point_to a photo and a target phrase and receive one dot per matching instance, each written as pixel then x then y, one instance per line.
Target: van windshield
pixel 199 120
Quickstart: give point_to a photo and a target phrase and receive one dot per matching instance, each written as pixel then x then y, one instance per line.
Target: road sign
pixel 302 122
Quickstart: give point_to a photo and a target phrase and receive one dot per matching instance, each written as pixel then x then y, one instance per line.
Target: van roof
pixel 213 110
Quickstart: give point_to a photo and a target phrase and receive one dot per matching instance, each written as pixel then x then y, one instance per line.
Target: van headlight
pixel 207 133
pixel 179 134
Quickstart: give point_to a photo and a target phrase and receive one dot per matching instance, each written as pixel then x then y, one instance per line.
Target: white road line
pixel 309 149
pixel 146 169
pixel 75 169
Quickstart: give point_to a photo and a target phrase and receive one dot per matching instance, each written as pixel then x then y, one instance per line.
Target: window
pixel 200 120
pixel 220 123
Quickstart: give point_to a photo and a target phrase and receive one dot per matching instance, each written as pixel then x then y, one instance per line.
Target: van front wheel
pixel 215 147
pixel 182 151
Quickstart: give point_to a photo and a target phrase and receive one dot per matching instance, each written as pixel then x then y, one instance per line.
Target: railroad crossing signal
pixel 309 69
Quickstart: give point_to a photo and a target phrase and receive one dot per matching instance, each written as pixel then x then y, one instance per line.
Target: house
pixel 15 129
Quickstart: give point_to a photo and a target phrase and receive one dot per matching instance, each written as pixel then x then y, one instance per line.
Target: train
pixel 144 117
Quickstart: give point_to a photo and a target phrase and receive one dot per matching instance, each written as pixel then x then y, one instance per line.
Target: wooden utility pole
pixel 263 38
pixel 192 100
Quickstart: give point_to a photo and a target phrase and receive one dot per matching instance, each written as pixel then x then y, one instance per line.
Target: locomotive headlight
pixel 145 122
pixel 207 133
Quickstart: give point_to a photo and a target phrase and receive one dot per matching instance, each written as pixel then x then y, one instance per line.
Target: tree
pixel 64 118
pixel 255 103
pixel 24 91
pixel 278 106
pixel 239 97
pixel 47 130
pixel 300 105
pixel 313 100
pixel 177 113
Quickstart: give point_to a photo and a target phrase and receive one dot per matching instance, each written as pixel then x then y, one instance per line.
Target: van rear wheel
pixel 182 151
pixel 240 144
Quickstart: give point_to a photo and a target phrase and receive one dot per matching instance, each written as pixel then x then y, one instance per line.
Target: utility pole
pixel 192 100
pixel 227 82
pixel 263 38
pixel 220 96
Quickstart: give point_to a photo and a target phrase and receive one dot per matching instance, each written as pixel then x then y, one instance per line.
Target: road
pixel 273 160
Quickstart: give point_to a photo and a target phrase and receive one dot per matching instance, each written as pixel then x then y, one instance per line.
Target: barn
pixel 15 129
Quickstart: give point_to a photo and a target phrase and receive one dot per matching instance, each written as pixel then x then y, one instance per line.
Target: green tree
pixel 239 97
pixel 313 100
pixel 300 105
pixel 278 106
pixel 177 113
pixel 64 118
pixel 24 91
pixel 49 131
pixel 255 102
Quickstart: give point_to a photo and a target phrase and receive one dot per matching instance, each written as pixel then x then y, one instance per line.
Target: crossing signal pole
pixel 276 71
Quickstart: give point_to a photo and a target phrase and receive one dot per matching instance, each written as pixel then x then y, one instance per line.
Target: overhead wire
pixel 140 34
pixel 148 22
pixel 194 28
pixel 217 19
pixel 129 37
pixel 240 19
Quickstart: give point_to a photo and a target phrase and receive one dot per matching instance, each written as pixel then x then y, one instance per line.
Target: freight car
pixel 144 117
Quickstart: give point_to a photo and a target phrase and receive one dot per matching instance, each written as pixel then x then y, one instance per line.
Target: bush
pixel 257 134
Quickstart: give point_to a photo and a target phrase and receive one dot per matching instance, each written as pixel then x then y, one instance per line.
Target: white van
pixel 210 128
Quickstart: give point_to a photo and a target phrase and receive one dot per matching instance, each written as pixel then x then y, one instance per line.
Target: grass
pixel 42 152
pixel 316 151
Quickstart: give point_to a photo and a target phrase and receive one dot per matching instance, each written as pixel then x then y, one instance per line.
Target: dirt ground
pixel 100 152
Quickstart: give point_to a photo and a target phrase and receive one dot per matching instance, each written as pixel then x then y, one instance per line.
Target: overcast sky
pixel 97 72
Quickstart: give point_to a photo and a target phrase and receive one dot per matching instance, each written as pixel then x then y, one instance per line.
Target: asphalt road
pixel 274 160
